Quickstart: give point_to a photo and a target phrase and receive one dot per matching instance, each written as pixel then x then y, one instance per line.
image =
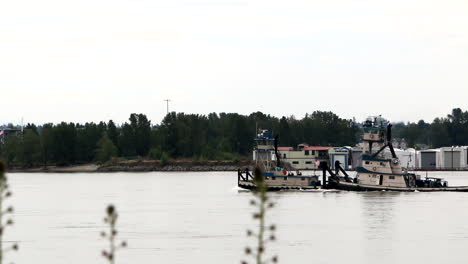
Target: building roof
pixel 317 148
pixel 285 148
pixel 306 148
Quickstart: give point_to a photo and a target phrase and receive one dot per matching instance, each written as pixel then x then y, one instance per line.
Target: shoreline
pixel 143 166
pixel 146 165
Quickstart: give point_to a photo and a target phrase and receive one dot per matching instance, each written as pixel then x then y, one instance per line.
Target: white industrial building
pixel 450 158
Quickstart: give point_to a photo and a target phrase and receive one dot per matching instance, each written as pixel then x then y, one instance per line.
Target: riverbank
pixel 145 165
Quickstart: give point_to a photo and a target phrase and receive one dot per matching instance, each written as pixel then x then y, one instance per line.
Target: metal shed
pixel 429 159
pixel 451 157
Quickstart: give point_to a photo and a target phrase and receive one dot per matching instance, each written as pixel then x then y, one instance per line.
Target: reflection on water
pixel 378 212
pixel 202 218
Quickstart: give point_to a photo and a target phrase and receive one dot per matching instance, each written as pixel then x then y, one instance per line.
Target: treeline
pixel 224 136
pixel 445 131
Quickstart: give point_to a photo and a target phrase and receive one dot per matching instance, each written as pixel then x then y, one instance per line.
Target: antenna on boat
pixel 389 140
pixel 278 159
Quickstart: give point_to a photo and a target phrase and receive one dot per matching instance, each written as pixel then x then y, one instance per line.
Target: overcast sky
pixel 92 60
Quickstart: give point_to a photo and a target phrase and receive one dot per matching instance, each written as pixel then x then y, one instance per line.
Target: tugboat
pixel 379 173
pixel 276 175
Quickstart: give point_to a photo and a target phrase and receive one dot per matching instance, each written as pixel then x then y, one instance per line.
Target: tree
pixel 112 132
pixel 142 130
pixel 127 141
pixel 106 149
pixel 31 148
pixel 11 149
pixel 64 143
pixel 46 139
pixel 136 136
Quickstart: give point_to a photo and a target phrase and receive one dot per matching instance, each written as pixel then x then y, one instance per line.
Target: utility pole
pixel 452 158
pixel 167 105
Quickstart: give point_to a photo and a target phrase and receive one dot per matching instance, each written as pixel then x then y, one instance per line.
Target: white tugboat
pixel 276 176
pixel 377 172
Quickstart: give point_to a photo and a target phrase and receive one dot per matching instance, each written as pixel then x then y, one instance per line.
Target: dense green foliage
pixel 224 136
pixel 446 131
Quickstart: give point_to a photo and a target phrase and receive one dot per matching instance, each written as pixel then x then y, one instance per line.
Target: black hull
pixel 346 186
pixel 253 187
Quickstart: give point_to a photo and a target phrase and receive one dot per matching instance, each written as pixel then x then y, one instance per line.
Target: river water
pixel 202 218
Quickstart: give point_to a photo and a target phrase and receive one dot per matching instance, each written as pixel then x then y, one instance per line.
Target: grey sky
pixel 93 60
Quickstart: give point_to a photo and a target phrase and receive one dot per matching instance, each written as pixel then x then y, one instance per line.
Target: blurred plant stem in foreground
pixel 4 194
pixel 264 234
pixel 111 235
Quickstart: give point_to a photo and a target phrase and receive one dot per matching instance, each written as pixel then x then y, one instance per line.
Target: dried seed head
pixel 272 227
pixel 124 244
pixel 110 210
pixel 272 238
pixel 103 234
pixel 249 233
pixel 9 222
pixel 275 259
pixel 15 247
pixel 248 251
pixel 253 202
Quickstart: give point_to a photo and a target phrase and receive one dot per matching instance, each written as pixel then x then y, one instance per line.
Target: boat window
pixel 302 179
pixel 313 152
pixel 295 162
pixel 391 177
pixel 382 164
pixel 306 152
pixel 273 178
pixel 284 156
pixel 285 178
pixel 367 162
pixel 308 162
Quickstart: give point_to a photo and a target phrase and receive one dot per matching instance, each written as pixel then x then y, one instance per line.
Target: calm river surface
pixel 202 217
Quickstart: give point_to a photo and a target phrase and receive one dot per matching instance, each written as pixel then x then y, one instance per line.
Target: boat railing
pixel 244 175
